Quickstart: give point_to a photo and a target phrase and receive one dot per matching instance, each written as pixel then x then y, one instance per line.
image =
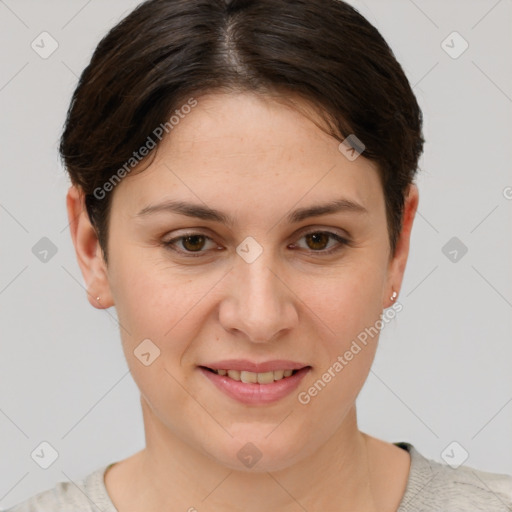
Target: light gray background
pixel 442 371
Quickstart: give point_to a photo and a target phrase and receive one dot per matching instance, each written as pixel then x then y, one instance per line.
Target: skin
pixel 257 160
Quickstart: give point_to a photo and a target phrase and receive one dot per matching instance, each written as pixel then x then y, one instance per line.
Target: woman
pixel 243 194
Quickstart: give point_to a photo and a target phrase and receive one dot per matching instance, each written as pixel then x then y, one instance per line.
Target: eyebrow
pixel 206 213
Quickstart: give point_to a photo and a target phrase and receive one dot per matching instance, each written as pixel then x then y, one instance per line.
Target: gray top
pixel 432 487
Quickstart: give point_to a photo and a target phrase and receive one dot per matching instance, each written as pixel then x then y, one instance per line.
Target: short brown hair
pixel 166 51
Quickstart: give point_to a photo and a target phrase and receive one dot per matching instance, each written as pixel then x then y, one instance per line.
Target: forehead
pixel 251 151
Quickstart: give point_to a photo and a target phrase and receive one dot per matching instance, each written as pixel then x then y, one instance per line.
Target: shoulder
pixel 86 495
pixel 433 486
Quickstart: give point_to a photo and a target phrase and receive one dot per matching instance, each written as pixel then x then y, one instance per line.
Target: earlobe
pixel 398 263
pixel 88 251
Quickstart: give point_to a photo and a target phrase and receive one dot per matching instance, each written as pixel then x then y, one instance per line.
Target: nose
pixel 258 302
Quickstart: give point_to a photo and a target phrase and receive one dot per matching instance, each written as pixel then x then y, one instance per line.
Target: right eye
pixel 191 244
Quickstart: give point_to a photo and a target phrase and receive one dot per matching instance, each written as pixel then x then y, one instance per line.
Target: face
pixel 257 275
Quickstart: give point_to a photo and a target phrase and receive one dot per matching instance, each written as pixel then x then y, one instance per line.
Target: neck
pixel 336 476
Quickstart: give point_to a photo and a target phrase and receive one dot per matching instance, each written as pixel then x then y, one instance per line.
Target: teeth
pixel 234 374
pixel 278 374
pixel 251 377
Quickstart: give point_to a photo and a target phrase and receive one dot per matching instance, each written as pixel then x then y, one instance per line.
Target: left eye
pixel 317 242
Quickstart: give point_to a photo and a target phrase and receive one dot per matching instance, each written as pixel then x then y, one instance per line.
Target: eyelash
pixel 196 254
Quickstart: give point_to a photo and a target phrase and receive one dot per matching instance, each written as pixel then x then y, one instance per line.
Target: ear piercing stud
pixel 394 296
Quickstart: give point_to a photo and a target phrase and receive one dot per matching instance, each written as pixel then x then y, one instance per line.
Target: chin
pixel 257 453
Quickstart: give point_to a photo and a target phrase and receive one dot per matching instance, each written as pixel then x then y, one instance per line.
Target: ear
pixel 398 262
pixel 88 251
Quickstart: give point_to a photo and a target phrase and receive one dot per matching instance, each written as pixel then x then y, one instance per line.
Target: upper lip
pixel 245 364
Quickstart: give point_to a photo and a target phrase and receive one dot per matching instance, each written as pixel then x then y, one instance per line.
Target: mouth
pixel 255 388
pixel 248 377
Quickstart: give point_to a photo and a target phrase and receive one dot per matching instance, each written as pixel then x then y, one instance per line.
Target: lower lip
pixel 253 393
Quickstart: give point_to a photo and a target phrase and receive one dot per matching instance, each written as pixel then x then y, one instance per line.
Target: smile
pixel 255 388
pixel 255 378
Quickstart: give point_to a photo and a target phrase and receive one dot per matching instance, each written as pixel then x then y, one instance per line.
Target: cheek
pixel 159 305
pixel 151 296
pixel 345 302
pixel 349 308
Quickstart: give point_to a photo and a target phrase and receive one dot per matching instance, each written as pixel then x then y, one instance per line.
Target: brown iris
pixel 193 242
pixel 321 239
